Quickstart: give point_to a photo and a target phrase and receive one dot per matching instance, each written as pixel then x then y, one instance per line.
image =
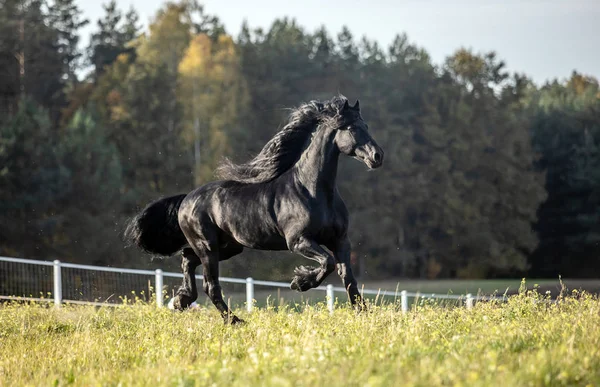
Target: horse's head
pixel 353 139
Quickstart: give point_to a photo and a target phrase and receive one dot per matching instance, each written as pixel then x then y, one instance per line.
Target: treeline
pixel 486 174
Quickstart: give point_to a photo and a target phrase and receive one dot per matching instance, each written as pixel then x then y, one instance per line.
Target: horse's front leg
pixel 341 252
pixel 187 292
pixel 309 277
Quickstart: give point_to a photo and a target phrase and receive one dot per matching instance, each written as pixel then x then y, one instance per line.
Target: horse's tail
pixel 156 228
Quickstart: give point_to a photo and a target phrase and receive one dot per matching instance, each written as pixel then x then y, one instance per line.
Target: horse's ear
pixel 345 107
pixel 356 105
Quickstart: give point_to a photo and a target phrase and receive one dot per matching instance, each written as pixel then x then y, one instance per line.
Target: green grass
pixel 237 297
pixel 519 343
pixel 485 287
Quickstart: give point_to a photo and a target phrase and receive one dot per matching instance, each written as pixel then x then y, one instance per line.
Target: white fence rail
pixel 21 278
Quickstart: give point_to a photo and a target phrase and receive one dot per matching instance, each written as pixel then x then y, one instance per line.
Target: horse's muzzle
pixel 371 155
pixel 374 159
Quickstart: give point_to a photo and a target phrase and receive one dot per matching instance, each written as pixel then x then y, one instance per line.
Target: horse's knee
pixel 296 244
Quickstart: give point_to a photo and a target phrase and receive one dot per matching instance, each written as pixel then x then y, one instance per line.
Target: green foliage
pixel 113 36
pixel 58 197
pixel 90 192
pixel 566 131
pixel 31 181
pixel 65 18
pixel 139 103
pixel 523 342
pixel 30 62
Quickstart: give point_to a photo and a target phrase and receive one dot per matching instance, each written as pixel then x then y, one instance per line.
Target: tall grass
pixel 526 341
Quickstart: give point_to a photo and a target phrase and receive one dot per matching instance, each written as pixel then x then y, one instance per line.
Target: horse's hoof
pixel 361 308
pixel 294 285
pixel 300 284
pixel 235 320
pixel 181 302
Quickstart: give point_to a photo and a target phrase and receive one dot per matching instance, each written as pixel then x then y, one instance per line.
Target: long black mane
pixel 285 148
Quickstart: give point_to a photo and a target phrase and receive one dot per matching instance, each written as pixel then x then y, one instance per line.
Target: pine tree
pixel 87 229
pixel 65 18
pixel 30 60
pixel 31 182
pixel 566 131
pixel 112 37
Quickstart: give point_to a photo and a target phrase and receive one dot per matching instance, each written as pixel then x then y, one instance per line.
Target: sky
pixel 544 39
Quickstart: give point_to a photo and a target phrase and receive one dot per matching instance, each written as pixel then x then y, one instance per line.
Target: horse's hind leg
pixel 187 293
pixel 307 277
pixel 203 237
pixel 212 287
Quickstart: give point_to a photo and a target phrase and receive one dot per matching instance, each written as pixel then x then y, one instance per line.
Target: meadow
pixel 526 341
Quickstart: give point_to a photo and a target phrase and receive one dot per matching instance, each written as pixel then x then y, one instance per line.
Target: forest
pixel 487 174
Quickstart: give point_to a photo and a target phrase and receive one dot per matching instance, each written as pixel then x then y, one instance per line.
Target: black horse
pixel 284 199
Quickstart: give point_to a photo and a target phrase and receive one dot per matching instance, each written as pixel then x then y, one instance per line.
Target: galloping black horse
pixel 284 199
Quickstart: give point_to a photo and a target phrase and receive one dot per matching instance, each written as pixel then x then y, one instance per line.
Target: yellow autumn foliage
pixel 212 92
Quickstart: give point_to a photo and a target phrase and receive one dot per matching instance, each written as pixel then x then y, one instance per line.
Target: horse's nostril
pixel 377 157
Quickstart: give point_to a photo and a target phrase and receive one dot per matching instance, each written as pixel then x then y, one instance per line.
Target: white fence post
pixel 249 293
pixel 330 298
pixel 158 287
pixel 57 284
pixel 469 301
pixel 404 301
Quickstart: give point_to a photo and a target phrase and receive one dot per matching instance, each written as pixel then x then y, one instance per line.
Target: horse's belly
pixel 259 233
pixel 254 239
pixel 272 242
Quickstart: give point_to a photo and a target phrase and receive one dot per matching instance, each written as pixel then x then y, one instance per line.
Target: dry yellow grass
pixel 524 342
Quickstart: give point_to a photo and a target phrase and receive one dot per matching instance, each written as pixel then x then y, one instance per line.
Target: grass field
pixel 524 342
pixel 236 296
pixel 486 287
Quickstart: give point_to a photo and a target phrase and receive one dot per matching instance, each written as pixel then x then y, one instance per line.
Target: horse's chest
pixel 328 225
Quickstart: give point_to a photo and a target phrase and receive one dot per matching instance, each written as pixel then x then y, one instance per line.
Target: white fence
pixel 21 278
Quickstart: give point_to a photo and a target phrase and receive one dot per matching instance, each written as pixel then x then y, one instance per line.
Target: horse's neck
pixel 317 167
